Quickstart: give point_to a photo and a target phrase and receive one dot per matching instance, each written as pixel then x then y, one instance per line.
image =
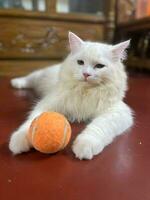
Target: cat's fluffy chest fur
pixel 78 102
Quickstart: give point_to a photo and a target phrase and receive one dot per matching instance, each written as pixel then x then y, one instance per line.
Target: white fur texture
pixel 98 98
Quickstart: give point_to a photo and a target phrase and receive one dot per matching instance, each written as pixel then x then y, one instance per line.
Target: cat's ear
pixel 119 50
pixel 75 42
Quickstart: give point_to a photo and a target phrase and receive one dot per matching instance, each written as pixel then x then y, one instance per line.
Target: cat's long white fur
pixel 99 99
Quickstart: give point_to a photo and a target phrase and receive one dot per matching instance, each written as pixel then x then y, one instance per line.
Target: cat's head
pixel 93 62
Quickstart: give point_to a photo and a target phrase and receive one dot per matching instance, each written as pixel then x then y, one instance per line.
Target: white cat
pixel 89 85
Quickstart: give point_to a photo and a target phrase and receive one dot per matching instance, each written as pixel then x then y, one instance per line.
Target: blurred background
pixel 33 33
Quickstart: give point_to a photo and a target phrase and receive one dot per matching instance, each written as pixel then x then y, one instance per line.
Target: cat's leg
pixel 18 141
pixel 27 81
pixel 42 81
pixel 102 130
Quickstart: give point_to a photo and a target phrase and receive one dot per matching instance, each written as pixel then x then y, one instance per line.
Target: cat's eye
pixel 80 62
pixel 99 66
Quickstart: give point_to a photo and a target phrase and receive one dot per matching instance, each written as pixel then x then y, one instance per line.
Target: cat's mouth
pixel 88 80
pixel 91 80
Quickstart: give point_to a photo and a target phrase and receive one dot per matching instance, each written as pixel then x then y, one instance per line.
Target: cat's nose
pixel 86 75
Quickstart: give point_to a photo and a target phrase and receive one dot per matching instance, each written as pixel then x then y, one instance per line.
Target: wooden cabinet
pixel 37 38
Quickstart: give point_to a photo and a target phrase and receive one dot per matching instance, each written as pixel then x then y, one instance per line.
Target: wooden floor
pixel 120 172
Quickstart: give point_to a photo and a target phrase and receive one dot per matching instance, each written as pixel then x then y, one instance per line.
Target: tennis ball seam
pixel 34 130
pixel 65 135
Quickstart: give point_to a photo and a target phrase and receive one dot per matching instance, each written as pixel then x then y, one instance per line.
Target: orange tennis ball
pixel 50 132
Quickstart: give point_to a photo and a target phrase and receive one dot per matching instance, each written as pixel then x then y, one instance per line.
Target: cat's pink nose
pixel 86 75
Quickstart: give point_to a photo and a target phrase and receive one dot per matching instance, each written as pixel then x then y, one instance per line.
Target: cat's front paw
pixel 19 143
pixel 86 146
